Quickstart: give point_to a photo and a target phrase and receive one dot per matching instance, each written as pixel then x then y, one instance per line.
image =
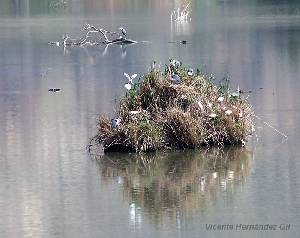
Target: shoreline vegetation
pixel 175 109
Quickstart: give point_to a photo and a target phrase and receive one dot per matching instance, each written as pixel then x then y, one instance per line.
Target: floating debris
pixel 184 42
pixel 242 91
pixel 56 43
pixel 54 90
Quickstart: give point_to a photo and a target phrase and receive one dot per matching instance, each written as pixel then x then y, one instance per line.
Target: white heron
pixel 128 85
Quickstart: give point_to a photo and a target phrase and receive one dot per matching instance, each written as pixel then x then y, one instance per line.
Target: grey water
pixel 51 187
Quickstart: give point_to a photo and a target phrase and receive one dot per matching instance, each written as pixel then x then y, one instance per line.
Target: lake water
pixel 51 187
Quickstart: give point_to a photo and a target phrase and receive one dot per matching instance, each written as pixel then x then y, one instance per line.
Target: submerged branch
pixel 273 128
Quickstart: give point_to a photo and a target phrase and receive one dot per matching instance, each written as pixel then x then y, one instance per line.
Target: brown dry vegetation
pixel 157 114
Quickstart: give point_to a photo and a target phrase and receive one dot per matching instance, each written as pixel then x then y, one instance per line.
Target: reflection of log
pixel 123 41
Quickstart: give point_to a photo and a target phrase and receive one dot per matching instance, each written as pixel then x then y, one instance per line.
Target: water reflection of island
pixel 169 185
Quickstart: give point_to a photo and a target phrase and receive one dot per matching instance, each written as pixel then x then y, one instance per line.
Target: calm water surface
pixel 50 187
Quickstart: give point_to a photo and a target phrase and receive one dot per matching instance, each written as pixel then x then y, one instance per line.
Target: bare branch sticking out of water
pixel 95 36
pixel 179 15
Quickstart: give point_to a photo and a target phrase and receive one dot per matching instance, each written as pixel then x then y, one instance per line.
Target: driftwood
pixel 96 36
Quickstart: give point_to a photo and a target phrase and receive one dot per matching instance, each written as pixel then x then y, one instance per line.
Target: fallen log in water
pixel 96 36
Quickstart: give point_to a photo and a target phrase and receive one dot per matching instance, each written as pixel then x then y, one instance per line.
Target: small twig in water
pixel 272 127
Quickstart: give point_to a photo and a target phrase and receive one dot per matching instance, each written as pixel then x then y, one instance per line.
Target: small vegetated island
pixel 175 108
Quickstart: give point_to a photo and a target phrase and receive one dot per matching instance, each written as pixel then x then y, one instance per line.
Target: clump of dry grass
pixel 158 114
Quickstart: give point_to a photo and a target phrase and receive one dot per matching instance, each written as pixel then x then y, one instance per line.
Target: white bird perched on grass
pixel 220 99
pixel 128 85
pixel 190 72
